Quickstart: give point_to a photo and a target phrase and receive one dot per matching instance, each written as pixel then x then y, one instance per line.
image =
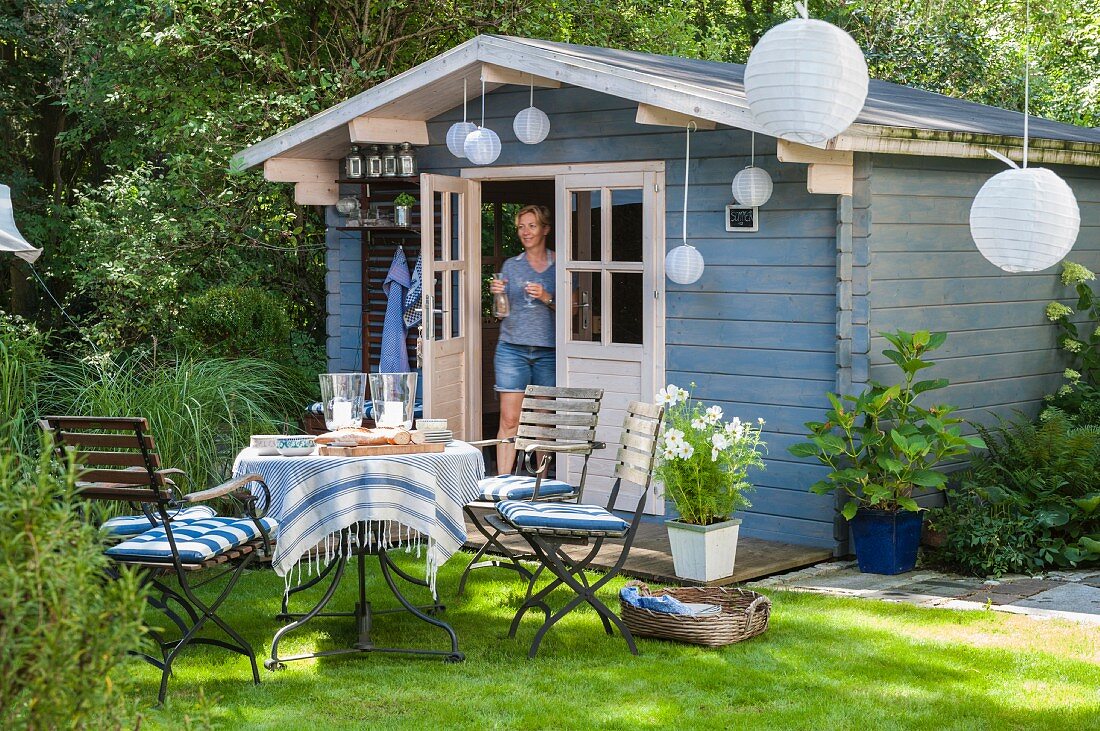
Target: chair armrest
pixel 221 490
pixel 577 448
pixel 490 442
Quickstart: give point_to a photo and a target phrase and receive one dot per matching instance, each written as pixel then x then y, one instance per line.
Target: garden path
pixel 1072 595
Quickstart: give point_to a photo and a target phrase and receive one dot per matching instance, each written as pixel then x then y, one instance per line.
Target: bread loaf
pixel 365 437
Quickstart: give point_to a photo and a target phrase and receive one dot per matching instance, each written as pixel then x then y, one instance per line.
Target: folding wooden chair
pixel 552 421
pixel 548 527
pixel 116 460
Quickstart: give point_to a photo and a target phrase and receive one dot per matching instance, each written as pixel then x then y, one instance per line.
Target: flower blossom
pixel 714 454
pixel 735 428
pixel 1071 375
pixel 1073 273
pixel 685 450
pixel 673 438
pixel 1056 311
pixel 671 395
pixel 699 423
pixel 1071 345
pixel 714 414
pixel 1065 390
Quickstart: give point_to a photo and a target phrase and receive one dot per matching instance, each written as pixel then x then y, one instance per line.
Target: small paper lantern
pixel 531 126
pixel 456 137
pixel 684 264
pixel 1025 220
pixel 806 81
pixel 482 146
pixel 752 187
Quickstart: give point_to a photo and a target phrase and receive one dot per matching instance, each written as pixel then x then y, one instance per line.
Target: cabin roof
pixel 894 119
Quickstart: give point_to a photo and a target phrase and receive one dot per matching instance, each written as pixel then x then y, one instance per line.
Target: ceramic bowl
pixel 431 424
pixel 295 446
pixel 264 444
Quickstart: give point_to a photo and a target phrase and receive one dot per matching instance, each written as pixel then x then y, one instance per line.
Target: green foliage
pixel 22 363
pixel 66 626
pixel 884 444
pixel 234 321
pixel 1079 330
pixel 404 200
pixel 201 412
pixel 703 462
pixel 1032 502
pixel 1077 402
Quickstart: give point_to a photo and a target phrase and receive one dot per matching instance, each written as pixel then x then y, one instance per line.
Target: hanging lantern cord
pixel 483 102
pixel 1027 71
pixel 752 151
pixel 464 93
pixel 687 162
pixel 532 92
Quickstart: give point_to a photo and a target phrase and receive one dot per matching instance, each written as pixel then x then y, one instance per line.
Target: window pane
pixel 456 237
pixel 626 307
pixel 456 304
pixel 586 306
pixel 586 225
pixel 438 303
pixel 626 225
pixel 436 224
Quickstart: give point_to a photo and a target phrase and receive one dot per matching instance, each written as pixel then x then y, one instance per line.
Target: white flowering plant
pixel 702 460
pixel 1081 339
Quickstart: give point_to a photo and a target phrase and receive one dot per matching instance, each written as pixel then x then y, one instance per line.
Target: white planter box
pixel 703 552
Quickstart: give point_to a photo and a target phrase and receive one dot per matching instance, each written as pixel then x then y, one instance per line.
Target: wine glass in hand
pixel 528 298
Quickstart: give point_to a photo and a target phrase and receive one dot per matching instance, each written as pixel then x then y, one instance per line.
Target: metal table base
pixel 363 613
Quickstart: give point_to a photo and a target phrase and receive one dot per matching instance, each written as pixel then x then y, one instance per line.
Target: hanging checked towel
pixel 395 351
pixel 413 311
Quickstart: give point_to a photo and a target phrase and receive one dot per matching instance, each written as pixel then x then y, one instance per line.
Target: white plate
pixel 297 451
pixel 701 609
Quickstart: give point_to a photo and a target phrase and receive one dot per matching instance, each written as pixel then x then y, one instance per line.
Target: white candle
pixel 393 413
pixel 341 414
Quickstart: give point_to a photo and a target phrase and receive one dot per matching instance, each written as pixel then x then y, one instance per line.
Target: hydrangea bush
pixel 703 461
pixel 1078 399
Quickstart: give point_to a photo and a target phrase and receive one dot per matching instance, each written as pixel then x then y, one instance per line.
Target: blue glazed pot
pixel 886 543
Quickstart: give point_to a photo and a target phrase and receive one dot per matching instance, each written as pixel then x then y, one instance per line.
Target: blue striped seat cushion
pixel 563 516
pixel 196 541
pixel 131 525
pixel 520 487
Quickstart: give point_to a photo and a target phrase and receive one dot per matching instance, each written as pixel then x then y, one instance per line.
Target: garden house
pixel 866 234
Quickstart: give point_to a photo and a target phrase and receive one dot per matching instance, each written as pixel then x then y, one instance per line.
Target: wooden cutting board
pixel 379 450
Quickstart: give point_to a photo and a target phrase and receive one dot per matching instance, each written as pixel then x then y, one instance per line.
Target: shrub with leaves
pixel 1032 502
pixel 22 363
pixel 64 625
pixel 239 321
pixel 883 445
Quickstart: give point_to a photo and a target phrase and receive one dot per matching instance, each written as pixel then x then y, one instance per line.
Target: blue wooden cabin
pixel 867 234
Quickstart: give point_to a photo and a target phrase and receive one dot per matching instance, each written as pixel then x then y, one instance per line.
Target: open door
pixel 450 254
pixel 610 258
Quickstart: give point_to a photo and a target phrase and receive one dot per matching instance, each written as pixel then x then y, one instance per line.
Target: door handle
pixel 586 309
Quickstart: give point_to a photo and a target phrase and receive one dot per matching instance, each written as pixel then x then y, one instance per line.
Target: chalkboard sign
pixel 742 218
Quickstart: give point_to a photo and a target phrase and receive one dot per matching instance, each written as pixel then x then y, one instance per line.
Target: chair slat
pixel 638 477
pixel 650 411
pixel 631 458
pixel 561 404
pixel 586 420
pixel 121 441
pixel 567 392
pixel 634 424
pixel 548 433
pixel 97 422
pixel 107 491
pixel 132 459
pixel 637 441
pixel 122 477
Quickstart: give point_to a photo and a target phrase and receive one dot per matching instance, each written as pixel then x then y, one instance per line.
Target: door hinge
pixel 656 187
pixel 656 294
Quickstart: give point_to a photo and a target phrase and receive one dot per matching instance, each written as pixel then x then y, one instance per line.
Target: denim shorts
pixel 520 366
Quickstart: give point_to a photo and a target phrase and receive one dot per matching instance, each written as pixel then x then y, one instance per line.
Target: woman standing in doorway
pixel 525 352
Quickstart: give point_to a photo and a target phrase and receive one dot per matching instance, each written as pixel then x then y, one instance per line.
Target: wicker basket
pixel 744 614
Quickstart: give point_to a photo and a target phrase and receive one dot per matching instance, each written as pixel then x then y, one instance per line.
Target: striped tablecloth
pixel 315 497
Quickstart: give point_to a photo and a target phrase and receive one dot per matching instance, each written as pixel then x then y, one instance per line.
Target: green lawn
pixel 824 663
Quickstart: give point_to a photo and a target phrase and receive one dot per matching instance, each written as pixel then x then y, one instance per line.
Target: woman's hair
pixel 542 215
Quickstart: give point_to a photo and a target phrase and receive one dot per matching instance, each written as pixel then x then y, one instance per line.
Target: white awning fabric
pixel 10 238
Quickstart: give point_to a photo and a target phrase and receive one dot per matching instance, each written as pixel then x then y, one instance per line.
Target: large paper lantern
pixel 752 187
pixel 531 126
pixel 806 81
pixel 684 264
pixel 482 146
pixel 1025 219
pixel 456 137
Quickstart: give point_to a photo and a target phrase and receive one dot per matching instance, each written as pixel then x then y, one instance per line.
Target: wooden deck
pixel 651 558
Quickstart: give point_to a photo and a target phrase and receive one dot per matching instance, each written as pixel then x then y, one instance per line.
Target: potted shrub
pixel 402 209
pixel 703 462
pixel 881 446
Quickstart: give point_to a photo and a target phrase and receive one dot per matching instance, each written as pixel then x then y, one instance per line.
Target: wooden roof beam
pixel 830 171
pixel 649 114
pixel 382 130
pixel 493 74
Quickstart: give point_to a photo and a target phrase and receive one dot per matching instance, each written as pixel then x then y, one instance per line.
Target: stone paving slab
pixel 1072 595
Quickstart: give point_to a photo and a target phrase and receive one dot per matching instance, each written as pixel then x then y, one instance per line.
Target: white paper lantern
pixel 482 146
pixel 684 264
pixel 1025 220
pixel 531 126
pixel 806 81
pixel 456 137
pixel 752 187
